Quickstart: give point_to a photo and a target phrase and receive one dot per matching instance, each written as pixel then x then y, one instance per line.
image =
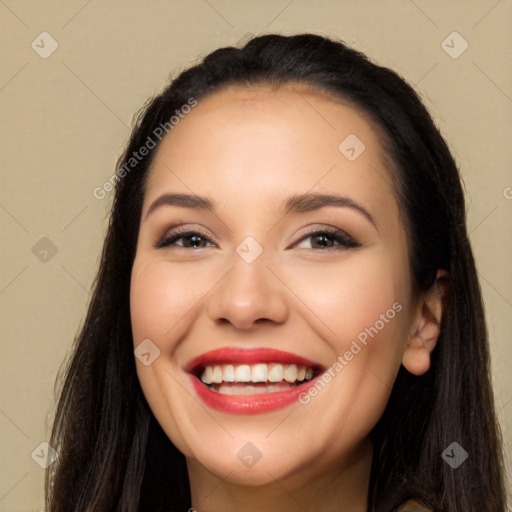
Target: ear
pixel 416 357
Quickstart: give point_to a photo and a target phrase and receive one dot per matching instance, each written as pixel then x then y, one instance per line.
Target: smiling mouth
pixel 238 380
pixel 251 379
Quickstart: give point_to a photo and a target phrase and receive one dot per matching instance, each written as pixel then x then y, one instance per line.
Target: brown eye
pixel 330 239
pixel 190 240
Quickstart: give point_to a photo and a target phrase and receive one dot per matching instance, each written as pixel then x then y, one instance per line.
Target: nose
pixel 248 295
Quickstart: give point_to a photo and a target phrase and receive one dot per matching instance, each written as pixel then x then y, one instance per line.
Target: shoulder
pixel 412 505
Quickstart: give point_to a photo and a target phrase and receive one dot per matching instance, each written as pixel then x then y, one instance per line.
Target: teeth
pixel 246 390
pixel 243 373
pixel 229 373
pixel 276 373
pixel 290 373
pixel 261 372
pixel 207 376
pixel 217 374
pixel 227 389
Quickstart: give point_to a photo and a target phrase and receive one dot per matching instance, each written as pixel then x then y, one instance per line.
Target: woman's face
pixel 272 335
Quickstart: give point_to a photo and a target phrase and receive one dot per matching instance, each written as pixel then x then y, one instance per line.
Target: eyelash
pixel 336 235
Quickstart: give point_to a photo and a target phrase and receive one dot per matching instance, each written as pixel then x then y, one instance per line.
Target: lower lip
pixel 249 404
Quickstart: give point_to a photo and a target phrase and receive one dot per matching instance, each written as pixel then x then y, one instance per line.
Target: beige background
pixel 65 119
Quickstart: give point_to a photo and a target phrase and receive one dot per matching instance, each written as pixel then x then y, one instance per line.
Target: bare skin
pixel 248 150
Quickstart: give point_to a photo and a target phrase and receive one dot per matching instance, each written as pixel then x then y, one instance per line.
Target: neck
pixel 342 487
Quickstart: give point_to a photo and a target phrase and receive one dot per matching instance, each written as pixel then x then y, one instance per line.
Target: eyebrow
pixel 312 201
pixel 298 203
pixel 184 200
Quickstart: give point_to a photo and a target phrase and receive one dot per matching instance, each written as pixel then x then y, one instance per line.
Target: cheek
pixel 350 296
pixel 164 300
pixel 162 297
pixel 149 302
pixel 360 307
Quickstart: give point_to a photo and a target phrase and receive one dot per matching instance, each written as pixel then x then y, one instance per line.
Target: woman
pixel 287 314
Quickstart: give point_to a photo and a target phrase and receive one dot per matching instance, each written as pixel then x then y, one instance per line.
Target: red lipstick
pixel 269 398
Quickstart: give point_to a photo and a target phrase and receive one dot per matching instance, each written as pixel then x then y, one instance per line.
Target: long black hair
pixel 113 453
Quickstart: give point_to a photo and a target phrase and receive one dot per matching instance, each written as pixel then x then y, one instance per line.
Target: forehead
pixel 296 110
pixel 243 140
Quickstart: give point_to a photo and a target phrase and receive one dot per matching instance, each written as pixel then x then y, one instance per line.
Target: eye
pixel 190 239
pixel 329 238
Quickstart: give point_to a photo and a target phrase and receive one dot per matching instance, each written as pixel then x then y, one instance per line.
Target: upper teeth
pixel 261 372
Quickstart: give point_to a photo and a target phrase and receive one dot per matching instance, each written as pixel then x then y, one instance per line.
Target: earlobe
pixel 416 356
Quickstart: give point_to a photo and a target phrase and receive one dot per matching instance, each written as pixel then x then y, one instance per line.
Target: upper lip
pixel 238 356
